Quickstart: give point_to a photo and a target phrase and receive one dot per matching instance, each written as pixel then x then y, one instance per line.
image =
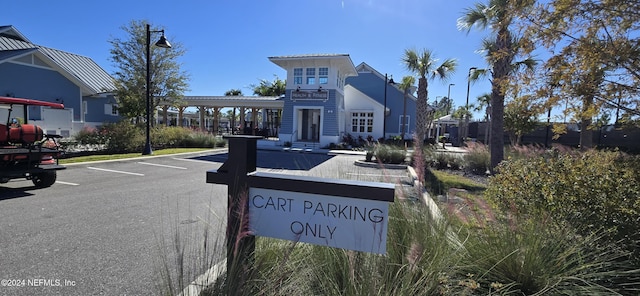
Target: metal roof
pixel 90 77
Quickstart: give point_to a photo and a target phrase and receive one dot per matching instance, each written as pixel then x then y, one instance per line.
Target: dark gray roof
pixel 89 75
pixel 11 54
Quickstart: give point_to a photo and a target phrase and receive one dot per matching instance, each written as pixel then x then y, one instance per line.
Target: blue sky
pixel 228 42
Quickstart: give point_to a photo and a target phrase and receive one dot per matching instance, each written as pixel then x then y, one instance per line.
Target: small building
pixel 41 73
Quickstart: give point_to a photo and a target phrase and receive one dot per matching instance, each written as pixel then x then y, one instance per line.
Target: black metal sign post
pixel 234 172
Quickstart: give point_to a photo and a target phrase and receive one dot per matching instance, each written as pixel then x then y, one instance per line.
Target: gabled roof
pixel 366 68
pixel 82 70
pixel 11 32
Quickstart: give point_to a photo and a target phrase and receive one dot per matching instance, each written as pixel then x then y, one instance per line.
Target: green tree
pixel 423 64
pixel 498 16
pixel 128 55
pixel 268 88
pixel 594 49
pixel 407 86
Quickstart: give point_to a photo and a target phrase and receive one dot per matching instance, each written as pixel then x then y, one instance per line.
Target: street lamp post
pixel 384 112
pixel 466 106
pixel 449 98
pixel 164 44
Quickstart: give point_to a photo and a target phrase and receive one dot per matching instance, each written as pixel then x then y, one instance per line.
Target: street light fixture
pixel 466 106
pixel 384 112
pixel 164 44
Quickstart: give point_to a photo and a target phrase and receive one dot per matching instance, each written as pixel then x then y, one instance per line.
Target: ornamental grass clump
pixel 390 154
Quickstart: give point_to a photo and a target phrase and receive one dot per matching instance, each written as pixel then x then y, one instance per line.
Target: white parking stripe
pixel 67 183
pixel 163 165
pixel 194 160
pixel 114 171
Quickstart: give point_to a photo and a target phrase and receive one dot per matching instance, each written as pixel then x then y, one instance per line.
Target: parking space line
pixel 67 183
pixel 163 165
pixel 114 171
pixel 193 160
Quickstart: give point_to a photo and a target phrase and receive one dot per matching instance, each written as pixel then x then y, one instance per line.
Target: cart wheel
pixel 43 180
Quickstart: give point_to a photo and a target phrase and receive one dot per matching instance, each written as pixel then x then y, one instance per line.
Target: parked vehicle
pixel 25 151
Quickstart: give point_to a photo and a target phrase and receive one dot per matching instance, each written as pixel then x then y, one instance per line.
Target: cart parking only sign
pixel 335 213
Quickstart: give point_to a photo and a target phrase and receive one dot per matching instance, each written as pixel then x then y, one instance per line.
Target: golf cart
pixel 25 151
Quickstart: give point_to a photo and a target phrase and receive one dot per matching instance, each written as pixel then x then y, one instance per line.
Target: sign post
pixel 234 172
pixel 329 212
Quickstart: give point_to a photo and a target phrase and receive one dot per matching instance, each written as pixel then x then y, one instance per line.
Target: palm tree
pixel 406 86
pixel 498 16
pixel 424 65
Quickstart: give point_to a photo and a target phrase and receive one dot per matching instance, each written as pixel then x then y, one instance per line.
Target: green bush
pixel 170 137
pixel 90 136
pixel 594 191
pixel 390 154
pixel 200 139
pixel 123 137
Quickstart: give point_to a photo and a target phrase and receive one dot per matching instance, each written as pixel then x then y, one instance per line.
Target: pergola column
pixel 181 115
pixel 203 111
pixel 216 119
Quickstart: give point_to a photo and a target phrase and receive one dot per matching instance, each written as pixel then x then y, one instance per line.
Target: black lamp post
pixel 384 112
pixel 164 44
pixel 449 98
pixel 466 106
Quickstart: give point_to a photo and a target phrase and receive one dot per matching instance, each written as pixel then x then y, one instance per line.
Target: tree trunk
pixel 586 136
pixel 421 112
pixel 501 69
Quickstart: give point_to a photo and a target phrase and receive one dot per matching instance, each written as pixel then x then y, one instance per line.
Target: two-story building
pixel 328 98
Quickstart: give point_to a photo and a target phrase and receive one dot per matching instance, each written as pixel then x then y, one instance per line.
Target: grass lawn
pixel 128 155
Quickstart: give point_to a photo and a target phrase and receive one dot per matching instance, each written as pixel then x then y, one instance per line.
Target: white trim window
pixel 297 76
pixel 111 109
pixel 311 76
pixel 323 75
pixel 406 124
pixel 362 122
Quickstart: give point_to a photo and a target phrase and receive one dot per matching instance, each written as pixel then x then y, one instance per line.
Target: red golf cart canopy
pixel 19 101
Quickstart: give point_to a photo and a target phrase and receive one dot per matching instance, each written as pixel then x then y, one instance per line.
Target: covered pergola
pixel 272 106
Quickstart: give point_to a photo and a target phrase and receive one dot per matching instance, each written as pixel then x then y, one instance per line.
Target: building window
pixel 406 124
pixel 323 75
pixel 111 109
pixel 362 122
pixel 311 75
pixel 297 76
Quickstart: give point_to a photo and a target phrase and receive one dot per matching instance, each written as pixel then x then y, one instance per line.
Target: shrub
pixel 200 139
pixel 123 137
pixel 390 154
pixel 594 191
pixel 90 136
pixel 170 137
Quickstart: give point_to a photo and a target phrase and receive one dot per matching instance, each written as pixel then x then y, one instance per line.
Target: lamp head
pixel 163 42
